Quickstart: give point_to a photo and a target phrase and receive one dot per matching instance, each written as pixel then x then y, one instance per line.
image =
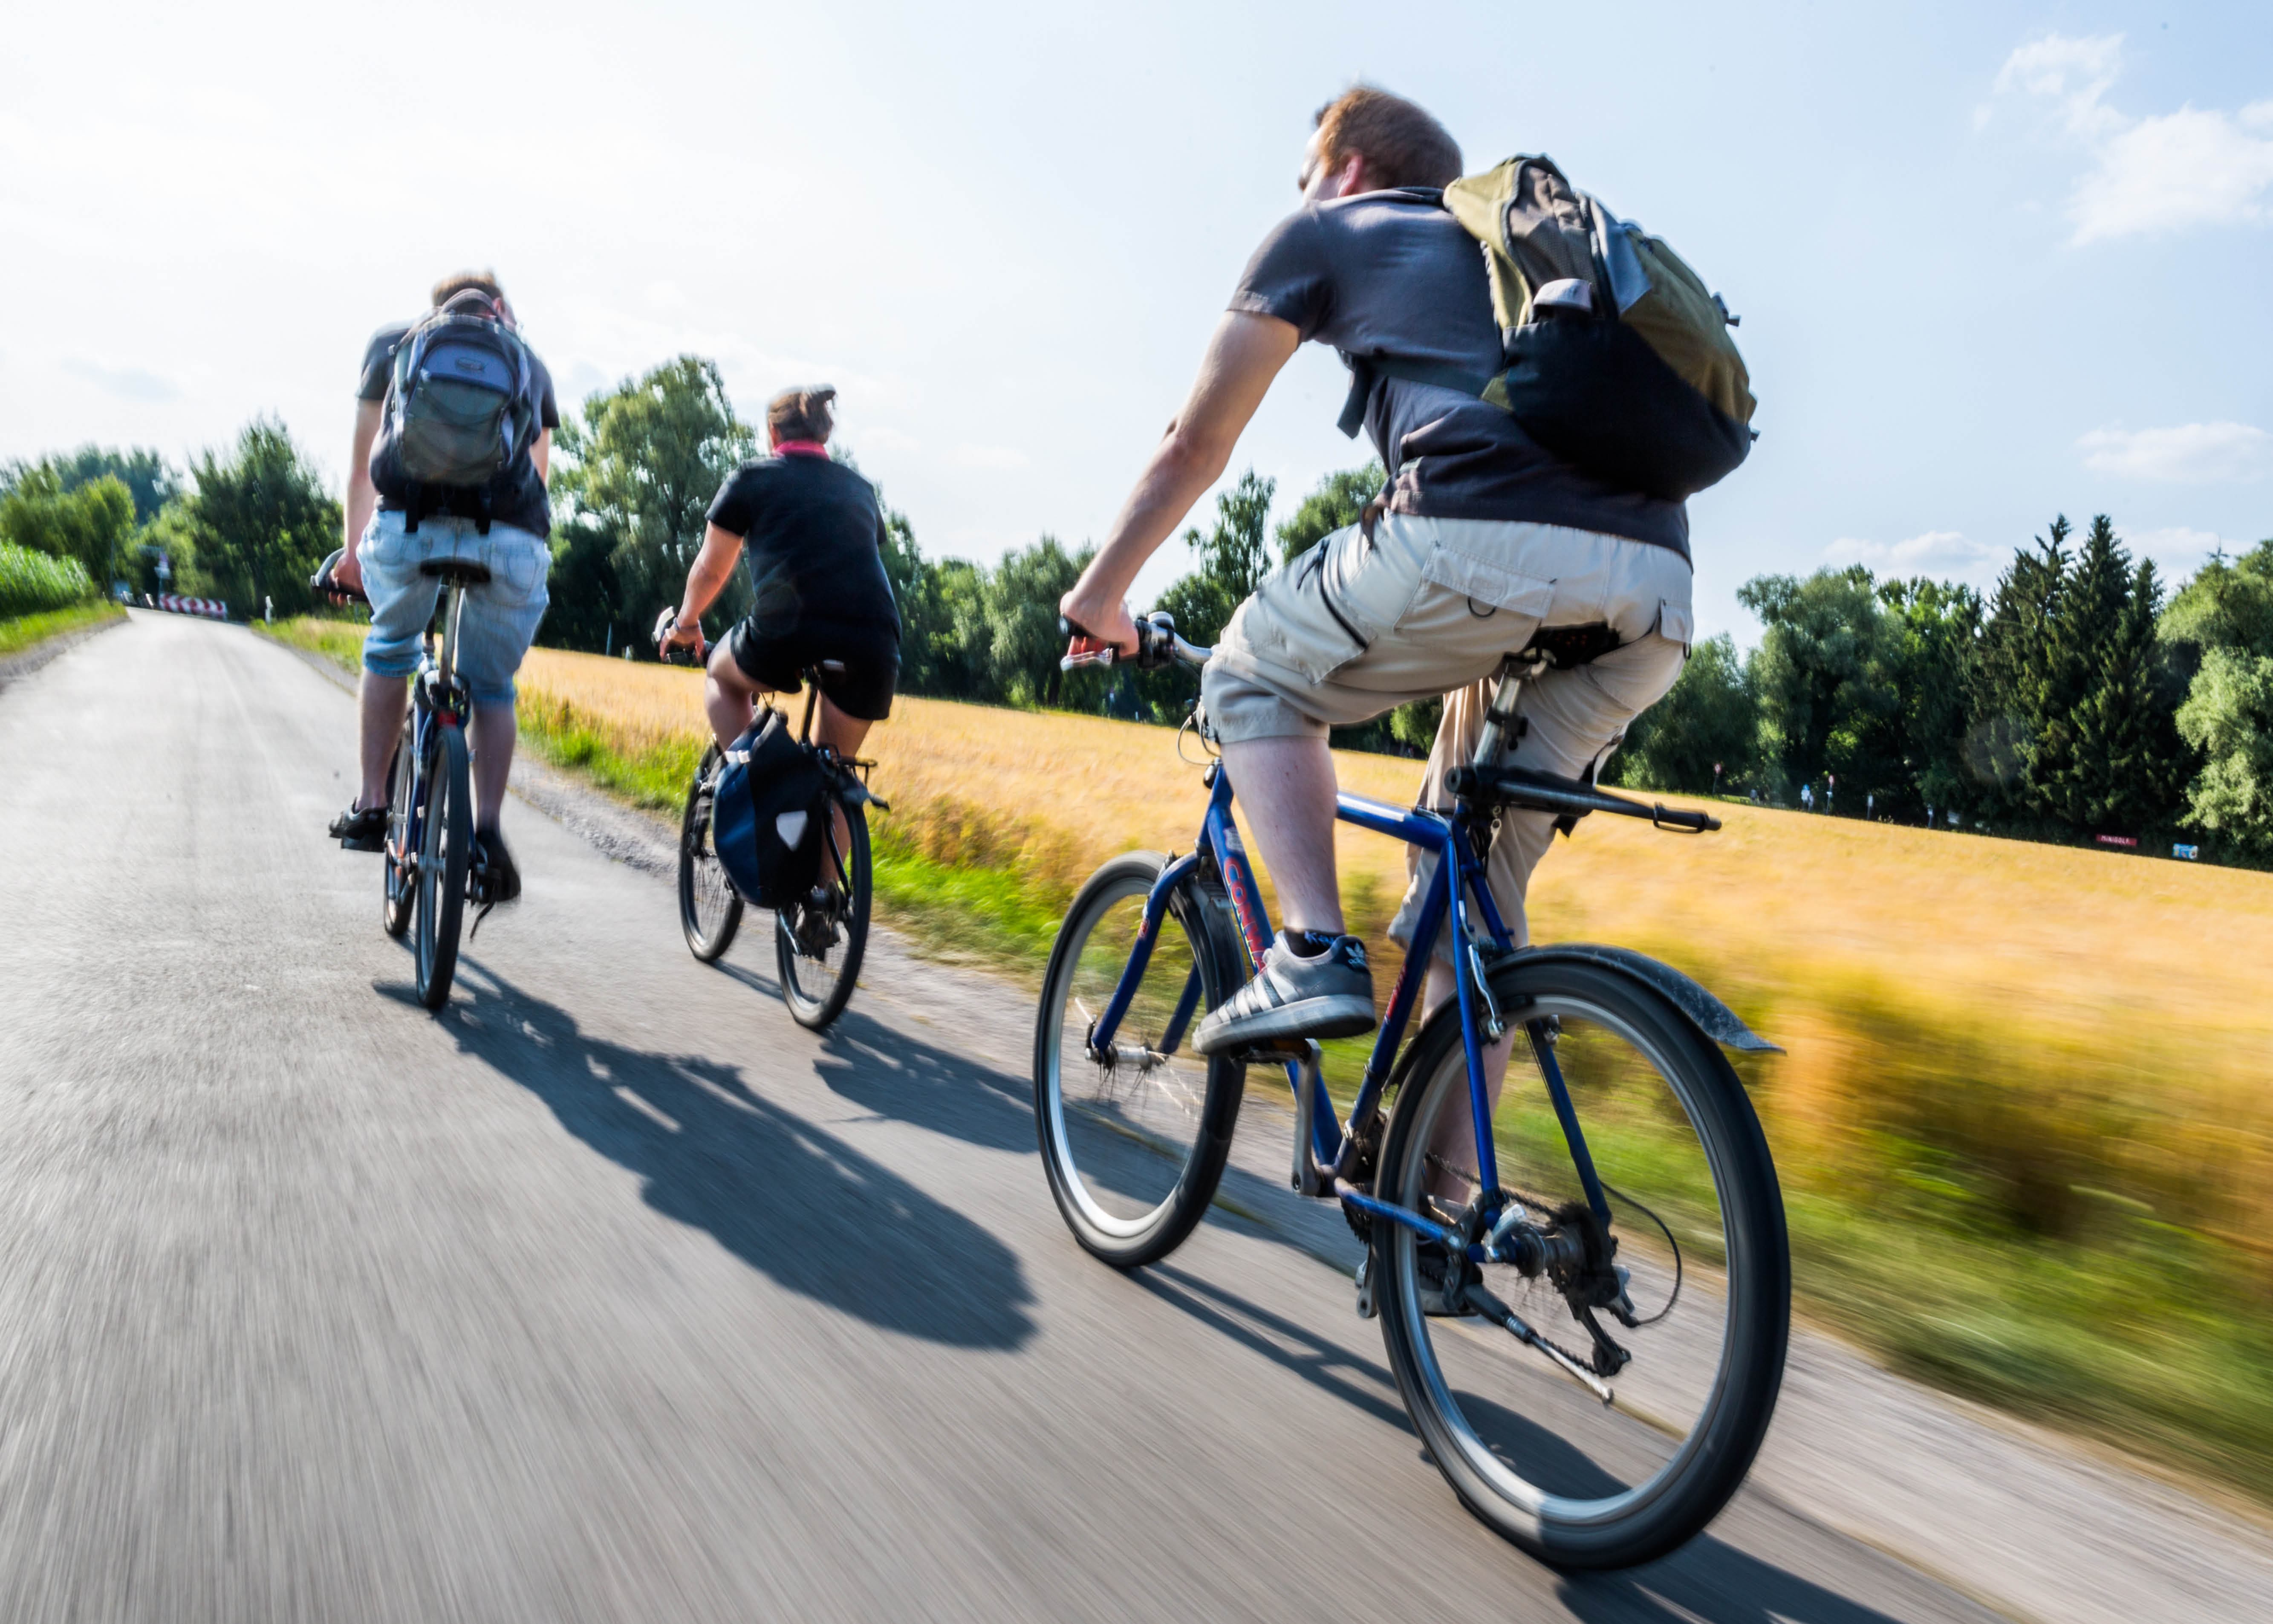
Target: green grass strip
pixel 23 630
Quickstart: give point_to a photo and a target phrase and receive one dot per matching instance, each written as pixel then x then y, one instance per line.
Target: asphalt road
pixel 609 1293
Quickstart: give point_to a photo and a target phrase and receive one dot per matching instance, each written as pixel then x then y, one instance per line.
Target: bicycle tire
pixel 1601 1520
pixel 399 901
pixel 445 846
pixel 710 908
pixel 816 987
pixel 1198 915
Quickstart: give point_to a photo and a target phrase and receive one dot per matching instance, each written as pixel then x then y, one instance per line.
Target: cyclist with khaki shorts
pixel 1481 542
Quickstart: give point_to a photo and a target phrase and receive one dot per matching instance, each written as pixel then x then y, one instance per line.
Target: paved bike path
pixel 609 1293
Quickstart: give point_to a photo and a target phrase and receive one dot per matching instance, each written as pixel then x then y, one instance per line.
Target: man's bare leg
pixel 842 734
pixel 492 734
pixel 380 702
pixel 1285 785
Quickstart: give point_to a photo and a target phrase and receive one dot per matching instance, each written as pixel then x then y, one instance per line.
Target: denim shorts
pixel 500 617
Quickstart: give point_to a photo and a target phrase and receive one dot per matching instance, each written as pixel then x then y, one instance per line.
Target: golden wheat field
pixel 2037 934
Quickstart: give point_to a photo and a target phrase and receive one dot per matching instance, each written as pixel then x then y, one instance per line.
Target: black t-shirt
pixel 516 495
pixel 813 536
pixel 1391 273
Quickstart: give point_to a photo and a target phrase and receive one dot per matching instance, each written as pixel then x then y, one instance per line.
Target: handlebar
pixel 325 585
pixel 1158 646
pixel 666 623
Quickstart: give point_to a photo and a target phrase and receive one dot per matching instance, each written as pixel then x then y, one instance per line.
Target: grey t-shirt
pixel 1391 273
pixel 517 495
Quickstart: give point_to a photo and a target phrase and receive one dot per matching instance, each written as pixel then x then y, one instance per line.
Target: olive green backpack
pixel 1617 358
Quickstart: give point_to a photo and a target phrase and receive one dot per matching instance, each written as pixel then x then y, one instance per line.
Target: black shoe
pixel 1329 995
pixel 361 829
pixel 815 930
pixel 491 875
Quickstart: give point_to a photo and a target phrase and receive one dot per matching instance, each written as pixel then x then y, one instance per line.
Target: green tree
pixel 2228 716
pixel 93 524
pixel 2228 605
pixel 1937 628
pixel 1020 611
pixel 1709 719
pixel 260 520
pixel 1825 676
pixel 635 475
pixel 1336 504
pixel 152 480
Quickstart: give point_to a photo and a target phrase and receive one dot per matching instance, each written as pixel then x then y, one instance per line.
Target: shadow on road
pixel 786 1198
pixel 904 1078
pixel 1708 1582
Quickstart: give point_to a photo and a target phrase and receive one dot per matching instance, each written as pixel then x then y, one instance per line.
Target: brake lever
pixel 1071 630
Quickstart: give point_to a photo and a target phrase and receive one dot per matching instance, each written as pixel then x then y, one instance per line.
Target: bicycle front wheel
pixel 1695 1238
pixel 819 941
pixel 710 909
pixel 1134 1136
pixel 402 784
pixel 445 846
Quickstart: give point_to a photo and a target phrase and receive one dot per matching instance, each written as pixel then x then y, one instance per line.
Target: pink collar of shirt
pixel 801 447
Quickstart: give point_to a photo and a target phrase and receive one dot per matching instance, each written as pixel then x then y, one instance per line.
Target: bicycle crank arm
pixel 1500 1314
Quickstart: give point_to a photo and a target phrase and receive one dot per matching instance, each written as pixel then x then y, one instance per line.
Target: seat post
pixel 1499 715
pixel 457 591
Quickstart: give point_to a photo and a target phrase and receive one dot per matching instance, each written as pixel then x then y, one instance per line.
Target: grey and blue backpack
pixel 463 408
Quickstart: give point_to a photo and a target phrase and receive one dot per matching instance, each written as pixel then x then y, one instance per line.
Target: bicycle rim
pixel 709 912
pixel 1679 1155
pixel 444 850
pixel 402 783
pixel 819 942
pixel 1134 1139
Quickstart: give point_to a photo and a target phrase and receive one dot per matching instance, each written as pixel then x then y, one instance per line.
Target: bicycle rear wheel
pixel 819 941
pixel 1135 1140
pixel 446 844
pixel 402 785
pixel 710 909
pixel 1696 1226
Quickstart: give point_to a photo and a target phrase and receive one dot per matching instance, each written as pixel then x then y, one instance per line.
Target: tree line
pixel 2075 699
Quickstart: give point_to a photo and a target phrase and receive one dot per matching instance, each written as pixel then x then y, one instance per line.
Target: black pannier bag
pixel 770 808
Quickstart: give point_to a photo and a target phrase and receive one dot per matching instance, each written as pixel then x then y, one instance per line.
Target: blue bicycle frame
pixel 1458 877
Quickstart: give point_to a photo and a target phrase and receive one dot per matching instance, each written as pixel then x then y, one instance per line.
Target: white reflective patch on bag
pixel 790 827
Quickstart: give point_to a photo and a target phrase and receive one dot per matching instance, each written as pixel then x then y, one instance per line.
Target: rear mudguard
pixel 1711 1017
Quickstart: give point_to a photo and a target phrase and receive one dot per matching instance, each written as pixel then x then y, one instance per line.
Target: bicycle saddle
pixel 464 572
pixel 1564 647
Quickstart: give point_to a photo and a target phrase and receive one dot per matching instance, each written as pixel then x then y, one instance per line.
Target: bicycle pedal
pixel 1367 1308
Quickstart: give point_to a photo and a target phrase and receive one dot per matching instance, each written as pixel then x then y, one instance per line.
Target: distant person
pixel 395 523
pixel 1807 797
pixel 1482 540
pixel 815 535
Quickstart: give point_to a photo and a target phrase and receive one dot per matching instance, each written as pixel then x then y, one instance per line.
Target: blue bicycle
pixel 1495 1222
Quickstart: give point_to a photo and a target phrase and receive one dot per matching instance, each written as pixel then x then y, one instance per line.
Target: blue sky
pixel 1994 261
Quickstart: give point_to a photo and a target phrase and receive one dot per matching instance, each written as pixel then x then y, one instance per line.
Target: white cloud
pixel 2190 454
pixel 1934 553
pixel 2177 552
pixel 989 456
pixel 2073 73
pixel 2164 172
pixel 126 382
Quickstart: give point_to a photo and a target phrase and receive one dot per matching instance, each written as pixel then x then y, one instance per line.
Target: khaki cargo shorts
pixel 1357 627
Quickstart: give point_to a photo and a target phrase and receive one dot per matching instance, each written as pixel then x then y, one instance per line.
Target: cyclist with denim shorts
pixel 502 526
pixel 1482 541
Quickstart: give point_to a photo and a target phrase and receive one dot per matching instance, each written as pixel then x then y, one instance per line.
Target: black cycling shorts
pixel 870 655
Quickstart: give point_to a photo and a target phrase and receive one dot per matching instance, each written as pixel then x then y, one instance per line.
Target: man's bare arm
pixel 1243 357
pixel 362 497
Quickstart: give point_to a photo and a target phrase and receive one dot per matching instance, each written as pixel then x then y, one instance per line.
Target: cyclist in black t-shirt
pixel 814 534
